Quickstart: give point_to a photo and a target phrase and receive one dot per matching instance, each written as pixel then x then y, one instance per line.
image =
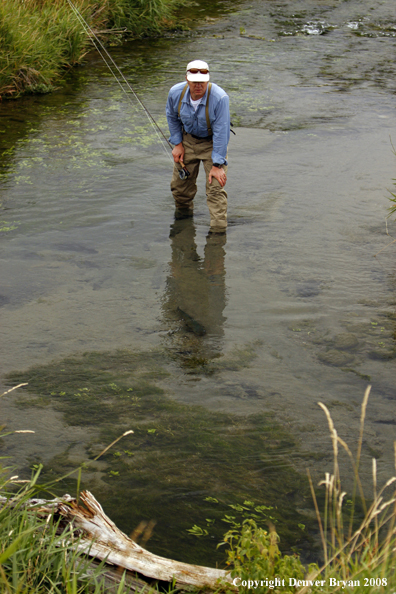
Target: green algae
pixel 6 227
pixel 177 456
pixel 192 355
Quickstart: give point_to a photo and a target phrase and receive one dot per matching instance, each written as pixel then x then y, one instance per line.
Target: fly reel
pixel 183 172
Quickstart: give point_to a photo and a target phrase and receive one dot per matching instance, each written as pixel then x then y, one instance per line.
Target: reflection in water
pixel 195 295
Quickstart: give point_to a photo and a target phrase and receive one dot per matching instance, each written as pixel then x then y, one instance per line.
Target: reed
pixel 362 553
pixel 41 39
pixel 359 555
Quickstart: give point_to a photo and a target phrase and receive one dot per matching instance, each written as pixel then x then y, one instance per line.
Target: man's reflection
pixel 194 298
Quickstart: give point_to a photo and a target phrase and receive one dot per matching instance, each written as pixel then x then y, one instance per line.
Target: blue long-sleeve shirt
pixel 194 122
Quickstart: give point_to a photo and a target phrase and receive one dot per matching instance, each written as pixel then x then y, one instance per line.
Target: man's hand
pixel 219 174
pixel 178 153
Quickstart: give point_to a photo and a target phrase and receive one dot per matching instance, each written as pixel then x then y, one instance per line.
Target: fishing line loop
pixel 111 64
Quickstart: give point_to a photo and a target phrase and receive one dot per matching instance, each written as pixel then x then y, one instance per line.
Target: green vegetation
pixel 392 197
pixel 40 39
pixel 254 556
pixel 36 554
pixel 359 553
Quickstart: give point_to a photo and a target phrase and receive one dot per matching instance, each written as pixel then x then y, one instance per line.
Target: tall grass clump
pixel 37 41
pixel 358 551
pixel 358 536
pixel 37 555
pixel 40 39
pixel 143 16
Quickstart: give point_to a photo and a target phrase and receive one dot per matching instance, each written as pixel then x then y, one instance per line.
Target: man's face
pixel 197 89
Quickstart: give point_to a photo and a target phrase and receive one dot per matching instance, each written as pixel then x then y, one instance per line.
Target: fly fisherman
pixel 199 122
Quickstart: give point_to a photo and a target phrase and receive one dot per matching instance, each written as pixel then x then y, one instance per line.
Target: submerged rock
pixel 345 341
pixel 309 288
pixel 382 354
pixel 336 358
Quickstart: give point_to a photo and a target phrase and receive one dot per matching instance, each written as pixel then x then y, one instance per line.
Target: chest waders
pixel 184 172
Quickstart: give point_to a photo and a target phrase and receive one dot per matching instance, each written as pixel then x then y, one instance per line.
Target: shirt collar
pixel 186 98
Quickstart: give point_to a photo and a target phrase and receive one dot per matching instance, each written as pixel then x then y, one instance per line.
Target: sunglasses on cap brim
pixel 196 70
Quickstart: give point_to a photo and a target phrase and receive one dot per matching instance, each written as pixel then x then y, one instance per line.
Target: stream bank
pixel 40 41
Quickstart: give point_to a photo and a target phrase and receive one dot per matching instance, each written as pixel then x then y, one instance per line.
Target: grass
pixel 36 554
pixel 359 555
pixel 41 39
pixel 362 555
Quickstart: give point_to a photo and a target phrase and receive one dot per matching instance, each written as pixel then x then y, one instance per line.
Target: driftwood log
pixel 101 539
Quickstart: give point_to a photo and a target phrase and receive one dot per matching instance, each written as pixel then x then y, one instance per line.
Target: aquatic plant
pixel 392 197
pixel 256 559
pixel 40 39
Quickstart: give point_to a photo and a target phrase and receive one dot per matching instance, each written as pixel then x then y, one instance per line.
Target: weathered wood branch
pixel 101 539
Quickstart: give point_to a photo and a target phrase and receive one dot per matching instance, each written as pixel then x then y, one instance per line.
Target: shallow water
pixel 295 306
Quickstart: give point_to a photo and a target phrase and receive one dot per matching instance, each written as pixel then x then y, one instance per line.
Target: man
pixel 198 117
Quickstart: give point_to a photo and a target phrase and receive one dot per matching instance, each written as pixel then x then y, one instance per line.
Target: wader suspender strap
pixel 206 108
pixel 181 98
pixel 207 111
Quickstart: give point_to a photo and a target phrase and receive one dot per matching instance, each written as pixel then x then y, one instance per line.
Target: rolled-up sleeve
pixel 221 130
pixel 174 123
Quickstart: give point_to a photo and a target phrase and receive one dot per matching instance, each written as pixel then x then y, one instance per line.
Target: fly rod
pixel 121 80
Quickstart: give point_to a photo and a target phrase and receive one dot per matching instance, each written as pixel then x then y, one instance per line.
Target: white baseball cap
pixel 197 71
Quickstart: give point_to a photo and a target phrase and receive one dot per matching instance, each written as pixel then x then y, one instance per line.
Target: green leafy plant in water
pixel 247 510
pixel 5 227
pixel 254 555
pixel 198 531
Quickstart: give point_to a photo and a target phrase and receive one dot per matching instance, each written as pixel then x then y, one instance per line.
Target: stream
pixel 297 299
